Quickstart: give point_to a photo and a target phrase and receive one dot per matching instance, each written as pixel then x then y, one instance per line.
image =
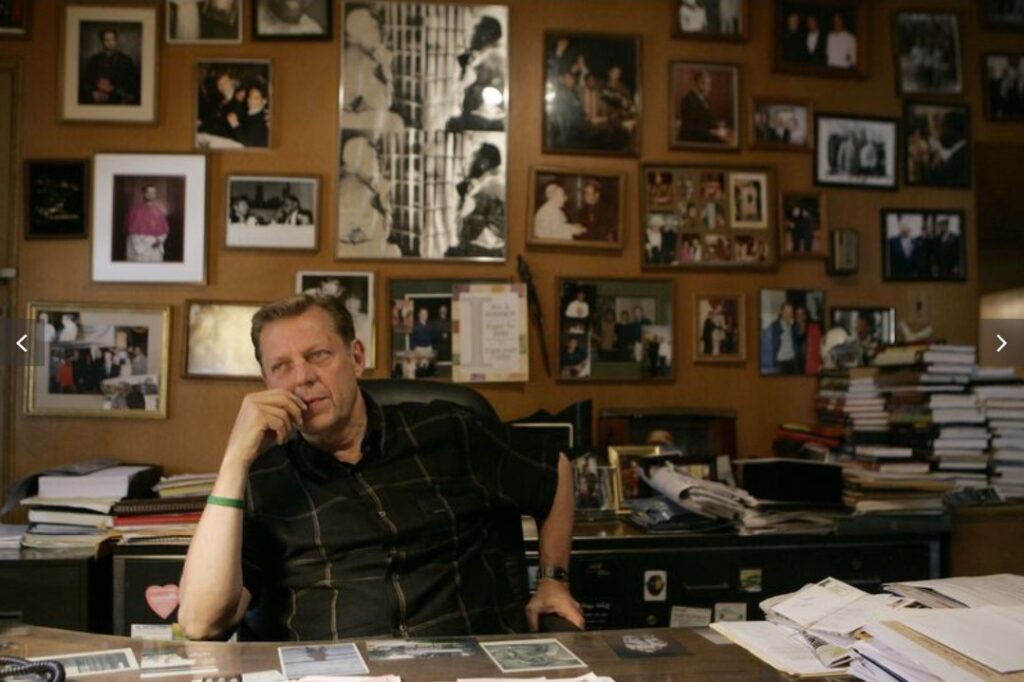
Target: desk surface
pixel 707 661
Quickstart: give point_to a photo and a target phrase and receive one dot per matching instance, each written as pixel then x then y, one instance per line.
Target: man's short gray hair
pixel 294 306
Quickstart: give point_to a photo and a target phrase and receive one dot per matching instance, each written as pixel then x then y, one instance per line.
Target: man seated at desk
pixel 373 520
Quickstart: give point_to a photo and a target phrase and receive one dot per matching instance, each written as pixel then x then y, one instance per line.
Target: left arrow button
pixel 19 343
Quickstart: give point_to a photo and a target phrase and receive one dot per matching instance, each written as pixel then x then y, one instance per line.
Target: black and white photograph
pixel 14 18
pixel 421 649
pixel 422 169
pixel 356 289
pixel 854 151
pixel 792 327
pixel 217 340
pixel 272 212
pixel 525 655
pixel 924 245
pixel 781 125
pixel 711 19
pixel 204 22
pixel 866 331
pixel 937 145
pixel 705 106
pixel 233 104
pixel 803 224
pixel 592 99
pixel 1004 87
pixel 321 659
pixel 928 57
pixel 748 200
pixel 585 210
pixel 645 646
pixel 55 198
pixel 822 37
pixel 97 662
pixel 292 19
pixel 109 64
pixel 1002 15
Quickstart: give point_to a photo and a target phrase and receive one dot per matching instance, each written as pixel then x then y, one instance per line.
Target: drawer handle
pixel 705 588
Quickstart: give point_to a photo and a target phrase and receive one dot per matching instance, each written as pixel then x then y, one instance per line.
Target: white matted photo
pixel 108 64
pixel 856 151
pixel 273 212
pixel 357 291
pixel 149 218
pixel 524 655
pixel 217 340
pixel 322 659
pixel 204 22
pixel 748 194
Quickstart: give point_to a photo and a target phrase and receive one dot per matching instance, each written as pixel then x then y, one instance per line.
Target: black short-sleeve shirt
pixel 406 542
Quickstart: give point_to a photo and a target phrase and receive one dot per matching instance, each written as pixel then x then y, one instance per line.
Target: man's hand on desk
pixel 553 597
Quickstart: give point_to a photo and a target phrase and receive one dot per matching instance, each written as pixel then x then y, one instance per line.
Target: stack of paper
pixel 1003 589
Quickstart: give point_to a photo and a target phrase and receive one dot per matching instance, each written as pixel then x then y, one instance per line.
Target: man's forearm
pixel 554 540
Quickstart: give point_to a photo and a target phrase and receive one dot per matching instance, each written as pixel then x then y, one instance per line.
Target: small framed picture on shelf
pixel 233 104
pixel 1000 15
pixel 928 58
pixel 937 145
pixel 867 329
pixel 292 20
pixel 827 38
pixel 98 360
pixel 803 225
pixel 924 246
pixel 720 328
pixel 705 106
pixel 781 125
pixel 14 19
pixel 56 193
pixel 1004 101
pixel 843 252
pixel 576 210
pixel 792 325
pixel 272 212
pixel 856 151
pixel 357 291
pixel 217 341
pixel 204 22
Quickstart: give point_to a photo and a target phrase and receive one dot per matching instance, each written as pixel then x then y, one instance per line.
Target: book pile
pixel 850 399
pixel 185 485
pixel 169 520
pixel 1003 406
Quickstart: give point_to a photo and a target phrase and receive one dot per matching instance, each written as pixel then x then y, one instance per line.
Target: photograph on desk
pixel 648 645
pixel 526 655
pixel 791 322
pixel 593 486
pixel 615 330
pixel 99 360
pixel 633 465
pixel 924 245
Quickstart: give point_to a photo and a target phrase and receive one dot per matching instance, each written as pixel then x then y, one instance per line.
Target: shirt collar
pixel 322 465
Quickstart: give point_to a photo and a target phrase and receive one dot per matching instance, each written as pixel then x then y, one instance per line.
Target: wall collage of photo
pixel 425 131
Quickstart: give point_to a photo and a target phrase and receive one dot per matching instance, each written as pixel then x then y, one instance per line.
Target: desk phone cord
pixel 12 666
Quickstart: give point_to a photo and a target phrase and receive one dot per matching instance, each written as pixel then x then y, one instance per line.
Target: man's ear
pixel 358 352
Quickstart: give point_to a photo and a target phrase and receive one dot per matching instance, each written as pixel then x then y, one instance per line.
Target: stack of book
pixel 168 520
pixel 850 399
pixel 185 485
pixel 1003 406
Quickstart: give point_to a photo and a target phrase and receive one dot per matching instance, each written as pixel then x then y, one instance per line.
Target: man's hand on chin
pixel 553 597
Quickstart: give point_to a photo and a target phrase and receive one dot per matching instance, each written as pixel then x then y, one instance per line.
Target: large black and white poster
pixel 424 104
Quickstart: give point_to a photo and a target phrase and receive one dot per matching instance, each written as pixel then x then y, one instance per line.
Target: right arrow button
pixel 1002 343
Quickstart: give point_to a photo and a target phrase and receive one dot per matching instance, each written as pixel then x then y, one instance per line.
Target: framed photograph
pixel 855 151
pixel 572 209
pixel 937 145
pixel 705 106
pixel 217 340
pixel 233 104
pixel 292 19
pixel 626 462
pixel 928 59
pixel 204 22
pixel 14 18
pixel 594 486
pixel 803 225
pixel 490 333
pixel 924 245
pixel 781 125
pixel 615 330
pixel 99 360
pixel 720 328
pixel 1004 94
pixel 711 19
pixel 708 217
pixel 592 94
pixel 108 60
pixel 843 252
pixel 272 212
pixel 865 331
pixel 827 38
pixel 55 198
pixel 357 290
pixel 791 322
pixel 149 218
pixel 422 170
pixel 1001 15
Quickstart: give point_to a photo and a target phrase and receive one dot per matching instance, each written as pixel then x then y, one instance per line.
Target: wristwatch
pixel 553 572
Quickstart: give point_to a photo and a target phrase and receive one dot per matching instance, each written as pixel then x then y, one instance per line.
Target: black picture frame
pixel 829 157
pixel 789 57
pixel 56 198
pixel 996 66
pixel 917 78
pixel 936 141
pixel 940 261
pixel 16 21
pixel 322 15
pixel 991 22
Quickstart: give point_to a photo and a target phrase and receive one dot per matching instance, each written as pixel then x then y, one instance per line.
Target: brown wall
pixel 305 116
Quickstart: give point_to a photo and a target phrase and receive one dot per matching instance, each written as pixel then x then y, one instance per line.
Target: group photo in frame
pixel 868 330
pixel 204 22
pixel 233 104
pixel 825 38
pixel 217 340
pixel 937 145
pixel 447 114
pixel 490 333
pixel 1002 95
pixel 792 326
pixel 99 360
pixel 615 329
pixel 592 94
pixel 14 18
pixel 705 106
pixel 56 198
pixel 803 225
pixel 781 124
pixel 726 20
pixel 357 291
pixel 1001 15
pixel 291 20
pixel 575 209
pixel 707 217
pixel 272 212
pixel 928 54
pixel 149 218
pixel 856 151
pixel 109 63
pixel 924 245
pixel 720 328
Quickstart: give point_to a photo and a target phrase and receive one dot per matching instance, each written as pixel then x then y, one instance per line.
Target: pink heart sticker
pixel 162 599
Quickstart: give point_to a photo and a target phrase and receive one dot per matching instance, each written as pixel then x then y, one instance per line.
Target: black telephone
pixel 12 666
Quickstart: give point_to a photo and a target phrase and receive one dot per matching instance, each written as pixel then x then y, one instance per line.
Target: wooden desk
pixel 708 661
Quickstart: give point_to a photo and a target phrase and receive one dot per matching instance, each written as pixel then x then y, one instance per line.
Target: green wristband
pixel 225 502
